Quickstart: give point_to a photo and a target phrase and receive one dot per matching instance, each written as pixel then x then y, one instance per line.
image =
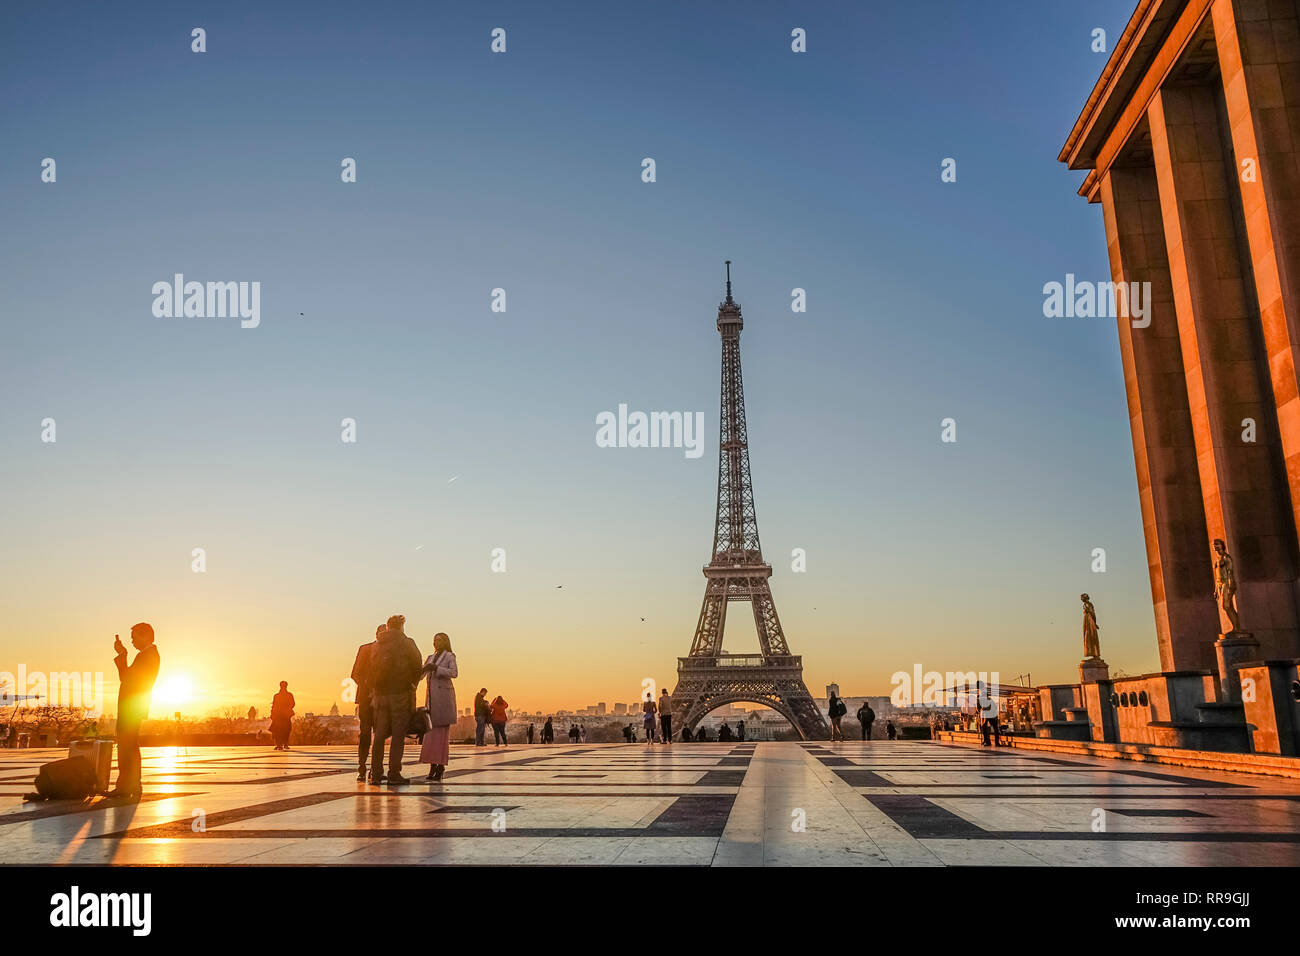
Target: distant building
pixel 620 709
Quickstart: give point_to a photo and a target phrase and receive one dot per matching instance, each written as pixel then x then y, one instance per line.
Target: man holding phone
pixel 137 680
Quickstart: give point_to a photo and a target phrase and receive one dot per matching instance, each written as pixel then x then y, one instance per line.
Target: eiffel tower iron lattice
pixel 709 677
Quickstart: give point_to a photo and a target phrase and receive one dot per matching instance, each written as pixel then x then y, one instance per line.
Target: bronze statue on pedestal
pixel 1091 645
pixel 1226 585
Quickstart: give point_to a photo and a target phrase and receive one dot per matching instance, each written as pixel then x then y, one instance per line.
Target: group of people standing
pixel 836 709
pixel 386 672
pixel 664 711
pixel 495 713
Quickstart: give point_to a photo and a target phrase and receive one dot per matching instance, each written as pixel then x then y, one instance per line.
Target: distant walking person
pixel 397 669
pixel 648 718
pixel 137 680
pixel 890 730
pixel 629 734
pixel 740 730
pixel 482 712
pixel 282 716
pixel 666 716
pixel 686 734
pixel 362 678
pixel 835 709
pixel 440 699
pixel 724 732
pixel 530 733
pixel 866 717
pixel 499 717
pixel 548 732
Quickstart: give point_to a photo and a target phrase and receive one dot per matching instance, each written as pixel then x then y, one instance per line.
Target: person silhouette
pixel 498 714
pixel 666 716
pixel 866 717
pixel 648 711
pixel 482 713
pixel 282 716
pixel 397 667
pixel 362 678
pixel 133 695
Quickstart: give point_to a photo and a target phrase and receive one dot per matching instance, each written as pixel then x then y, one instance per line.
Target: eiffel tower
pixel 710 677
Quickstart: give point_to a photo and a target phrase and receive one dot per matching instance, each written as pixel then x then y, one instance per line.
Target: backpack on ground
pixel 72 778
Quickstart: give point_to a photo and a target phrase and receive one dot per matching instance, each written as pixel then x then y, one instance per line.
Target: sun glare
pixel 175 691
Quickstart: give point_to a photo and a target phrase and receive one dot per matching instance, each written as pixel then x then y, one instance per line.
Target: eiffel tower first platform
pixel 709 677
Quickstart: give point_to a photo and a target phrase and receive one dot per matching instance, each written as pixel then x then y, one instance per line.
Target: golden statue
pixel 1226 586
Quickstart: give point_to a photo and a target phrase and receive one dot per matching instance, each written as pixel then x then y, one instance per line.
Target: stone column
pixel 1164 448
pixel 1243 489
pixel 1259 57
pixel 1234 650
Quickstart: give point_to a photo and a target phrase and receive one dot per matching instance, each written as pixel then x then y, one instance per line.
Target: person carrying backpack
pixel 499 716
pixel 396 666
pixel 648 711
pixel 835 709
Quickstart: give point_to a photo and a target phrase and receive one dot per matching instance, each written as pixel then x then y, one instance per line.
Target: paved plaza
pixel 740 804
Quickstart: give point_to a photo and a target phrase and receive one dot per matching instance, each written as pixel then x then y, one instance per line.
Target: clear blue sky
pixel 522 171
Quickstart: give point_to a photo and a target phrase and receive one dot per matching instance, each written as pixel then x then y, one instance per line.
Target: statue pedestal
pixel 1093 669
pixel 1232 650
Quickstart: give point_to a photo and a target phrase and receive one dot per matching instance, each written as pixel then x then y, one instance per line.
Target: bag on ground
pixel 100 755
pixel 72 778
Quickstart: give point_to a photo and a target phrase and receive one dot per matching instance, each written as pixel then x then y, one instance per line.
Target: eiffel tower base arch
pixel 706 683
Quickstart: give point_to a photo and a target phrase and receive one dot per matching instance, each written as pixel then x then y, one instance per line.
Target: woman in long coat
pixel 440 698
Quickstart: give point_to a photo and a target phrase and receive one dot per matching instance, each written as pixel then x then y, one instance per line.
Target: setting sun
pixel 174 691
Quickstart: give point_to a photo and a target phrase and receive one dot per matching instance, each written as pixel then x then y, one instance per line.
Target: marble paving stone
pixel 852 803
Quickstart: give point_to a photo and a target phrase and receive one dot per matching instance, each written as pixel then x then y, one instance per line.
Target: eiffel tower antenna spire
pixel 709 677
